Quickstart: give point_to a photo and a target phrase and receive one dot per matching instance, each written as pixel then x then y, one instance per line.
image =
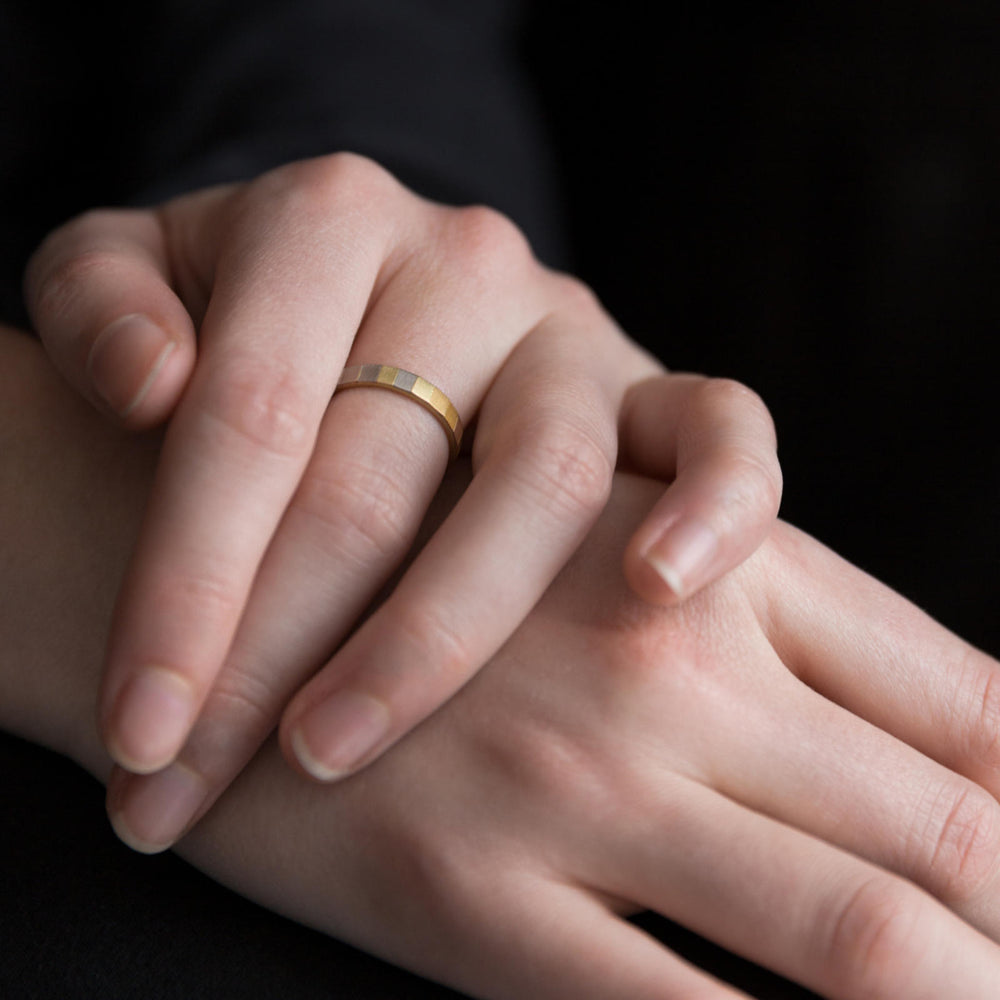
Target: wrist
pixel 69 506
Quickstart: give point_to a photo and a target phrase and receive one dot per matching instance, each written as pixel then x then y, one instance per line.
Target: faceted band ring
pixel 429 396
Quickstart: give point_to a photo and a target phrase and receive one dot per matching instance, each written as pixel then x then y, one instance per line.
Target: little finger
pixel 867 648
pixel 715 439
pixel 837 777
pixel 544 474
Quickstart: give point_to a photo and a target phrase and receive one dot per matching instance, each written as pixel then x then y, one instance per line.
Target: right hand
pixel 797 764
pixel 232 311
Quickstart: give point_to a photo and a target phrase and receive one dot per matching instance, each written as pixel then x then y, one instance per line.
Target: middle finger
pixel 269 354
pixel 376 465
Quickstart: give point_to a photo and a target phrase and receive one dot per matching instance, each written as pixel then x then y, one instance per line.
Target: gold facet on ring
pixel 430 397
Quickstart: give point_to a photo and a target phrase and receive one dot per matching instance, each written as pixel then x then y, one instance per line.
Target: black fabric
pixel 84 918
pixel 128 103
pixel 805 197
pixel 801 196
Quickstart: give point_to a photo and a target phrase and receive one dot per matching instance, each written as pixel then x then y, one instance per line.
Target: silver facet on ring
pixel 397 380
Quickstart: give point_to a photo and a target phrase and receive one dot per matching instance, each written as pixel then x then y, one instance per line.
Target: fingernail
pixel 157 809
pixel 682 553
pixel 333 737
pixel 126 359
pixel 150 720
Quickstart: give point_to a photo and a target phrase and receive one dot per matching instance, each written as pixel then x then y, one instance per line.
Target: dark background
pixel 801 196
pixel 805 197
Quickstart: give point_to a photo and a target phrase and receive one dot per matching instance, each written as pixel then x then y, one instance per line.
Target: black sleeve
pixel 130 103
pixel 431 89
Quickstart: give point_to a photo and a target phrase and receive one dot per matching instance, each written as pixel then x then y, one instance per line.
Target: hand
pixel 778 764
pixel 233 312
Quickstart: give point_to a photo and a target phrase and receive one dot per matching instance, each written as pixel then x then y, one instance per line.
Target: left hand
pixel 264 478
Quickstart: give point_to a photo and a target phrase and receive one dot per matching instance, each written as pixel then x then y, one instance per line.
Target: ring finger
pixel 240 441
pixel 792 903
pixel 352 520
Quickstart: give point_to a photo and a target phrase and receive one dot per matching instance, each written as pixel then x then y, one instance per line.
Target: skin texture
pixel 230 313
pixel 796 763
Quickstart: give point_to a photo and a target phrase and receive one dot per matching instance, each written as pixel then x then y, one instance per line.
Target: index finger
pixel 271 348
pixel 99 290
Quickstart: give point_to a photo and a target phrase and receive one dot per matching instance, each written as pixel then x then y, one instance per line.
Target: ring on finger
pixel 405 383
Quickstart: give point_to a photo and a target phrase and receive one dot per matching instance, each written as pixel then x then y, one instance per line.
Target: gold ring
pixel 430 397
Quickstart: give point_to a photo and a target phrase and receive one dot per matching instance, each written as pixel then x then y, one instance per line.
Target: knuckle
pixel 69 258
pixel 566 467
pixel 575 298
pixel 341 206
pixel 718 401
pixel 243 701
pixel 559 768
pixel 206 596
pixel 982 737
pixel 328 184
pixel 676 662
pixel 962 843
pixel 264 406
pixel 729 394
pixel 237 716
pixel 752 472
pixel 875 939
pixel 578 300
pixel 645 657
pixel 438 642
pixel 363 508
pixel 486 243
pixel 64 283
pixel 440 870
pixel 724 396
pixel 344 171
pixel 754 486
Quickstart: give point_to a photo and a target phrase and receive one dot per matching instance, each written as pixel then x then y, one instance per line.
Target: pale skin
pixel 230 313
pixel 796 762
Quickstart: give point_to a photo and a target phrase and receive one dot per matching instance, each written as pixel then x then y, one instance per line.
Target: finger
pixel 377 463
pixel 550 928
pixel 867 648
pixel 715 439
pixel 357 510
pixel 791 903
pixel 843 780
pixel 546 450
pixel 237 447
pixel 99 294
